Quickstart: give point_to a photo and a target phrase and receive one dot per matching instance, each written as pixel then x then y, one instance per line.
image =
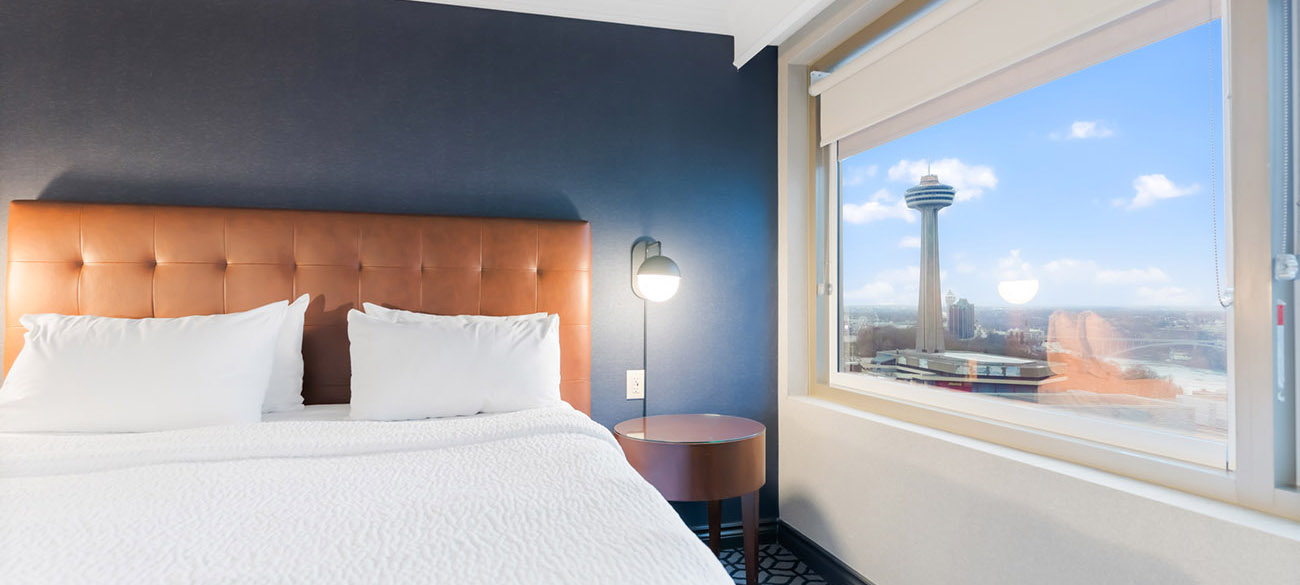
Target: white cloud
pixel 1084 129
pixel 1013 267
pixel 1148 189
pixel 876 293
pixel 1070 269
pixel 909 242
pixel 856 175
pixel 1089 129
pixel 1132 276
pixel 969 181
pixel 1167 295
pixel 909 275
pixel 880 206
pixel 891 287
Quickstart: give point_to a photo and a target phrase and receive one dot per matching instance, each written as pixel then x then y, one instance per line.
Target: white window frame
pixel 808 346
pixel 1294 47
pixel 1289 111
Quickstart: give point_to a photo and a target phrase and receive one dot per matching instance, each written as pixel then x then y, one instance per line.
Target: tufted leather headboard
pixel 164 261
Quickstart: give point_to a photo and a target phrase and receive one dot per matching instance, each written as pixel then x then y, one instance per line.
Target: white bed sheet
pixel 310 412
pixel 537 496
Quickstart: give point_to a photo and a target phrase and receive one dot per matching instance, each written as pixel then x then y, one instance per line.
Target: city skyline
pixel 1097 185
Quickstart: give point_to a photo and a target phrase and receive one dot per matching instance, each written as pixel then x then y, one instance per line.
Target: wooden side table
pixel 703 457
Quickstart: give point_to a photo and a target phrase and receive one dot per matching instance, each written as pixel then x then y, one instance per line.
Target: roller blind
pixel 965 54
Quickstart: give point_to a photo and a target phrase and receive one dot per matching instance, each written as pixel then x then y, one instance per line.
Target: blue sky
pixel 1097 185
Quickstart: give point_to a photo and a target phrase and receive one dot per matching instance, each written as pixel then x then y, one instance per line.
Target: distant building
pixel 965 370
pixel 951 298
pixel 961 318
pixel 849 353
pixel 1210 409
pixel 929 197
pixel 1026 337
pixel 929 363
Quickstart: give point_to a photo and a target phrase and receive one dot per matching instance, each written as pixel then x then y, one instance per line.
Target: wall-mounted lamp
pixel 655 277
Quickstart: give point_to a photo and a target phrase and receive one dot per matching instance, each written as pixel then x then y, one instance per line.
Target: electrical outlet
pixel 635 384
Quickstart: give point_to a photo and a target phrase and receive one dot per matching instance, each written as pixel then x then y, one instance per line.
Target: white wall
pixel 906 505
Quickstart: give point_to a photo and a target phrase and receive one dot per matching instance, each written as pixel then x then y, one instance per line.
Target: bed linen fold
pixel 28 454
pixel 537 496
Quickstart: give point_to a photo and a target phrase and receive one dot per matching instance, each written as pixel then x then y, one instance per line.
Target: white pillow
pixel 285 391
pixel 403 316
pixel 101 374
pixel 451 367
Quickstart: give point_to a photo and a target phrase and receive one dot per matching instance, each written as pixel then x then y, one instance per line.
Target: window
pixel 1103 193
pixel 1051 259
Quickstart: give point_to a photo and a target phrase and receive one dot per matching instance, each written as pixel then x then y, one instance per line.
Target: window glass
pixel 1057 248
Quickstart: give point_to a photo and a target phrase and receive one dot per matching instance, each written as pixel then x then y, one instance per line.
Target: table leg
pixel 715 526
pixel 749 518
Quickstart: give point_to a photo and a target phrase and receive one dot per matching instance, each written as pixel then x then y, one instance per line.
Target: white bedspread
pixel 538 496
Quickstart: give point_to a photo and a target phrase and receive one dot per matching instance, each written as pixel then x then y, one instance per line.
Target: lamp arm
pixel 641 251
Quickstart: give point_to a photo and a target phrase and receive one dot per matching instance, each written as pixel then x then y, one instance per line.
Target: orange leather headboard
pixel 164 261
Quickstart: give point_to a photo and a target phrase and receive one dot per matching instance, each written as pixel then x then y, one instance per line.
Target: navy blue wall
pixel 396 106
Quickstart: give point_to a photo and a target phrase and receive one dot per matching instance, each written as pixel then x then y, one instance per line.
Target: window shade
pixel 965 54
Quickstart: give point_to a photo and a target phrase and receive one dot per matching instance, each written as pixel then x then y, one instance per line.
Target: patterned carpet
pixel 776 566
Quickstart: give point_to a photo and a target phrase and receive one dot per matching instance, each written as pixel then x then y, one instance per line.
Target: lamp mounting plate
pixel 641 249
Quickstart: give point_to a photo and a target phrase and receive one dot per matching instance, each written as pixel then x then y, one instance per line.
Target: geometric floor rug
pixel 776 566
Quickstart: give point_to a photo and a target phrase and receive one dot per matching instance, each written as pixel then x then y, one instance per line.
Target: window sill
pixel 1197 489
pixel 1149 441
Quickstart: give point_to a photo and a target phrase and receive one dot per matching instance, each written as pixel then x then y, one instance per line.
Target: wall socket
pixel 635 384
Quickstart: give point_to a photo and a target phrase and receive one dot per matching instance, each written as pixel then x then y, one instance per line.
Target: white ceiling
pixel 753 24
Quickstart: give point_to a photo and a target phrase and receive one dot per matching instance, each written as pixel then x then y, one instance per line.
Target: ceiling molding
pixel 769 22
pixel 706 16
pixel 754 24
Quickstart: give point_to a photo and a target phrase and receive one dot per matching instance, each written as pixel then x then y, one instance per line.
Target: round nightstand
pixel 703 457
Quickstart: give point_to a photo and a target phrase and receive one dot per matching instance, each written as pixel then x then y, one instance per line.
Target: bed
pixel 542 495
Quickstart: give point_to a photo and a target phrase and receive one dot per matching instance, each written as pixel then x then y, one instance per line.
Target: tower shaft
pixel 929 325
